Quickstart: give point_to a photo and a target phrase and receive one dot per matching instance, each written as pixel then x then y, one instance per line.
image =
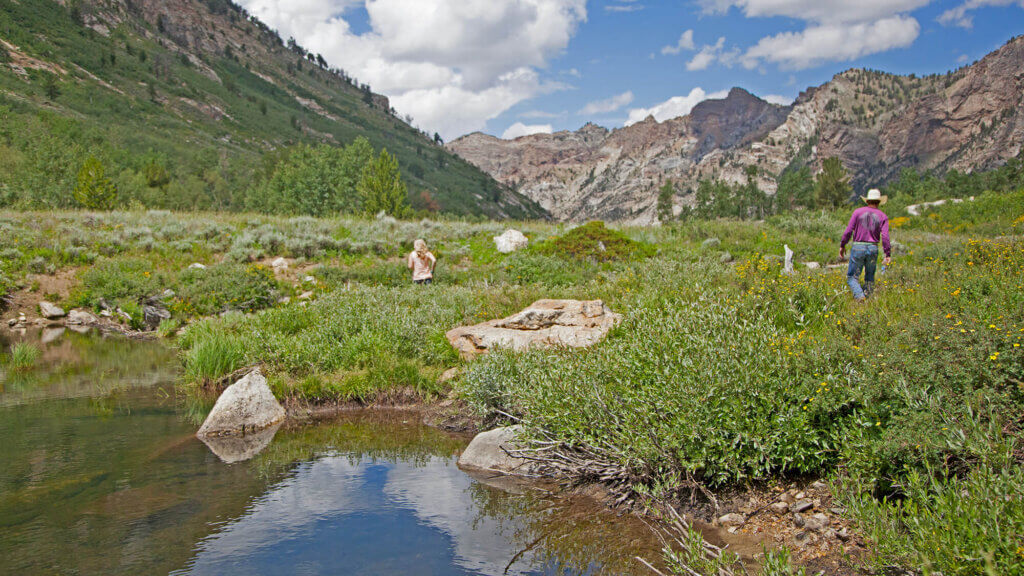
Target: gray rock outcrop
pixel 545 324
pixel 489 451
pixel 245 407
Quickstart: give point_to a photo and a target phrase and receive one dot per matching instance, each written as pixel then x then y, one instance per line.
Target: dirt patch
pixel 800 515
pixel 56 288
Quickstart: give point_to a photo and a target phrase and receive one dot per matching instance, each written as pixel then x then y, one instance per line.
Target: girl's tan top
pixel 421 267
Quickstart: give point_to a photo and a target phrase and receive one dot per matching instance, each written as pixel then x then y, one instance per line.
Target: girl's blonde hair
pixel 420 246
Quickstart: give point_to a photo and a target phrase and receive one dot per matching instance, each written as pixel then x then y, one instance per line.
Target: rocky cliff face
pixel 877 123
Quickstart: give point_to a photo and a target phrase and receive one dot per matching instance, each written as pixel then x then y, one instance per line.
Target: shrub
pixel 118 280
pixel 225 287
pixel 594 241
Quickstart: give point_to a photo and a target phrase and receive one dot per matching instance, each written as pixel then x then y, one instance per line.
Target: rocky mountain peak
pixel 877 123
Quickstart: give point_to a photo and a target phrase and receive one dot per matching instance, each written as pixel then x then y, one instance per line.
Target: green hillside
pixel 190 104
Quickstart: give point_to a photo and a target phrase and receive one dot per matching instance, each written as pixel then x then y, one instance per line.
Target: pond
pixel 101 473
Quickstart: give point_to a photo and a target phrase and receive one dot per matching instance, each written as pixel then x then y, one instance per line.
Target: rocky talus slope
pixel 877 123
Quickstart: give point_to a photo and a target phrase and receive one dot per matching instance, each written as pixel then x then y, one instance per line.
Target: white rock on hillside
pixel 489 451
pixel 545 324
pixel 246 406
pixel 50 311
pixel 511 241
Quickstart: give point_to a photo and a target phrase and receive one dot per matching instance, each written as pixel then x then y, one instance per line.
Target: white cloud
pixel 519 129
pixel 685 43
pixel 624 6
pixel 832 43
pixel 817 10
pixel 607 105
pixel 777 99
pixel 674 107
pixel 708 54
pixel 451 65
pixel 835 31
pixel 541 114
pixel 960 15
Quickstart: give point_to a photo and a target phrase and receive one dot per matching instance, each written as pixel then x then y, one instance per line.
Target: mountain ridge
pixel 877 123
pixel 205 90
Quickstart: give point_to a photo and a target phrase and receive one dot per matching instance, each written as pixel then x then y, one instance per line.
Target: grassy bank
pixel 724 371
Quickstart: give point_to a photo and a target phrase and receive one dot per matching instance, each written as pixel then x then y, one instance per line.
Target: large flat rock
pixel 544 324
pixel 245 407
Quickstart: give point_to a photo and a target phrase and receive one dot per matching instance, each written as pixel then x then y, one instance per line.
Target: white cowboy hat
pixel 875 194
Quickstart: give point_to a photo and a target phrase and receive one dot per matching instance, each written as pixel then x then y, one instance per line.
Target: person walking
pixel 868 226
pixel 422 263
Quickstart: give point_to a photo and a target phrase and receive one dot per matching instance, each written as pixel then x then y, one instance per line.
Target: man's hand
pixel 842 253
pixel 887 261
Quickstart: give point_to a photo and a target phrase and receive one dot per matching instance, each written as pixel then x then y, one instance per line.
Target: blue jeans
pixel 862 257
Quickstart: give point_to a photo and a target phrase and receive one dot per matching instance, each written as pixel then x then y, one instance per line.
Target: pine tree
pixel 94 190
pixel 833 185
pixel 665 194
pixel 381 187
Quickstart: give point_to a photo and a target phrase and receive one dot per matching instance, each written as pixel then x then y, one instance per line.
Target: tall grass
pixel 23 357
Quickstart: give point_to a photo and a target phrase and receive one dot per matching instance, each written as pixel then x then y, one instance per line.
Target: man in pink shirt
pixel 868 226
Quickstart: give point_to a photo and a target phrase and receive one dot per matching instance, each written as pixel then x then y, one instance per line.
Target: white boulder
pixel 511 241
pixel 245 407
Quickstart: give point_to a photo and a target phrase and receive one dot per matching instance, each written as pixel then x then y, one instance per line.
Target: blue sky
pixel 509 67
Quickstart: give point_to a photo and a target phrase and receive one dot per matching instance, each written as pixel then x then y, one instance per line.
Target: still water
pixel 100 473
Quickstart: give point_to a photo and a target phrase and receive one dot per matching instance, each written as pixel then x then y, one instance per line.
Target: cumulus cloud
pixel 450 65
pixel 674 107
pixel 961 15
pixel 832 43
pixel 519 129
pixel 835 31
pixel 777 99
pixel 708 54
pixel 685 43
pixel 607 105
pixel 817 10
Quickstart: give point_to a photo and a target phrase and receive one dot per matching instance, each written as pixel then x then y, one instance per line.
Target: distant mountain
pixel 877 123
pixel 185 102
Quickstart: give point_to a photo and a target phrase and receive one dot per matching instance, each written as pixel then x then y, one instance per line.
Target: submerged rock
pixel 490 451
pixel 545 324
pixel 245 407
pixel 50 311
pixel 232 449
pixel 510 241
pixel 51 335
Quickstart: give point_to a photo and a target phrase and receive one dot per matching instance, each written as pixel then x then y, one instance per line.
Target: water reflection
pixel 102 474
